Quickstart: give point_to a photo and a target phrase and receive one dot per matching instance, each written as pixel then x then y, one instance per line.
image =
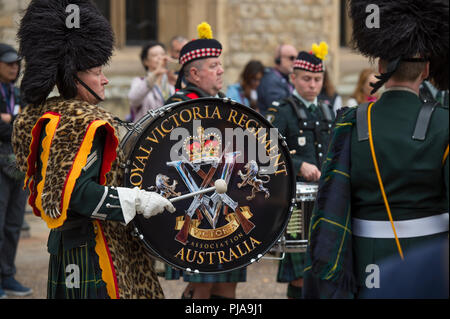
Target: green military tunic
pixel 307 131
pixel 74 242
pixel 414 173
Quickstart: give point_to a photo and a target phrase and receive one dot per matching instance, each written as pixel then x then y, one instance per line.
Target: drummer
pixel 203 75
pixel 305 123
pixel 201 68
pixel 385 184
pixel 67 145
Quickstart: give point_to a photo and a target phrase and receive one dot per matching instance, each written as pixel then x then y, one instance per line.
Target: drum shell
pixel 295 238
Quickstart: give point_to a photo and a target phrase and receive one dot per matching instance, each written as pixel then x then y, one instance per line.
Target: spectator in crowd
pixel 329 95
pixel 151 91
pixel 176 43
pixel 275 84
pixel 245 91
pixel 12 196
pixel 363 89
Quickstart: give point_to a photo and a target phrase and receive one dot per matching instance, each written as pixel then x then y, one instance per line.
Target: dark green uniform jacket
pixel 307 132
pixel 414 173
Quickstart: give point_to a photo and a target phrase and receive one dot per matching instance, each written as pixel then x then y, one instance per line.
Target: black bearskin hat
pixel 54 51
pixel 407 29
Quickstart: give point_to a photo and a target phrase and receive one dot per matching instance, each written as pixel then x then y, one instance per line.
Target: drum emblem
pixel 164 187
pixel 204 150
pixel 250 177
pixel 184 150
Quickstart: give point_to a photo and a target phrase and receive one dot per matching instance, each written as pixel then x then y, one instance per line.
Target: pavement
pixel 32 270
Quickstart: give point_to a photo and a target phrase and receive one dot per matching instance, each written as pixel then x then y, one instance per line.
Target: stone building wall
pixel 10 12
pixel 255 28
pixel 247 29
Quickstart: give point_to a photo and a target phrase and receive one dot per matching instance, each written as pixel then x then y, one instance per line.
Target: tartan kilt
pixel 291 267
pixel 238 275
pixel 66 282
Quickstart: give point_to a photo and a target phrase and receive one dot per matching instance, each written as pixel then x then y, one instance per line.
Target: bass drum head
pixel 187 146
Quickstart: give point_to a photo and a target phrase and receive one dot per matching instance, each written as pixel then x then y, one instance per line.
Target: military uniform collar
pixel 401 88
pixel 305 102
pixel 200 91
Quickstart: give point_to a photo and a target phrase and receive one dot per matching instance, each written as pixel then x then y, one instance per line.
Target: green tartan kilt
pixel 291 267
pixel 238 275
pixel 75 274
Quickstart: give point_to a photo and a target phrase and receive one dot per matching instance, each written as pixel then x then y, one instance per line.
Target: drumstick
pixel 219 185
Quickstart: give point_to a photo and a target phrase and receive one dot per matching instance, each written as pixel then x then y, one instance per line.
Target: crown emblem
pixel 203 147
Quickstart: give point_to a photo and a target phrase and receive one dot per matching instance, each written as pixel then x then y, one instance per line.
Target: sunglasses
pixel 291 58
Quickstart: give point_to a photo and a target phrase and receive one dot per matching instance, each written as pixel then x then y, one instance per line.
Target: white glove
pixel 135 200
pixel 150 204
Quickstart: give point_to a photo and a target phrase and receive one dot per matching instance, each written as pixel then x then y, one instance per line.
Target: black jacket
pixel 6 128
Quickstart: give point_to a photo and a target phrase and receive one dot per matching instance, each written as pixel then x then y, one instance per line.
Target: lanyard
pixel 10 105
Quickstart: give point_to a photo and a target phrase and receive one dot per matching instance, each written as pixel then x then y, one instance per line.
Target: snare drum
pixel 184 147
pixel 295 238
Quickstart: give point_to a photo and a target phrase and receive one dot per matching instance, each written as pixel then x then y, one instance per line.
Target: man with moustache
pixel 202 71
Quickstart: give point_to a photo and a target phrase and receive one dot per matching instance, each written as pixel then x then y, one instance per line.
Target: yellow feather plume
pixel 321 50
pixel 204 31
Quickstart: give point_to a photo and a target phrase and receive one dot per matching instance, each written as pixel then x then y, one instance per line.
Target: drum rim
pixel 155 114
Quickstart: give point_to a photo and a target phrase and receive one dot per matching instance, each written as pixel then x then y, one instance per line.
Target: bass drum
pixel 185 147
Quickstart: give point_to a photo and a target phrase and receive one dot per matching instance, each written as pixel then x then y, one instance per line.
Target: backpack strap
pixel 326 111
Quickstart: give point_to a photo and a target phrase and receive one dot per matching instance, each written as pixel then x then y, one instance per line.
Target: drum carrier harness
pixel 420 130
pixel 316 126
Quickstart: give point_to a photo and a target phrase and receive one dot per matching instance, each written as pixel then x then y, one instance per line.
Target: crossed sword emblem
pixel 201 202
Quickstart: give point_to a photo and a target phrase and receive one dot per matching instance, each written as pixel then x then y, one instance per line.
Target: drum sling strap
pixel 364 131
pixel 303 117
pixel 420 130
